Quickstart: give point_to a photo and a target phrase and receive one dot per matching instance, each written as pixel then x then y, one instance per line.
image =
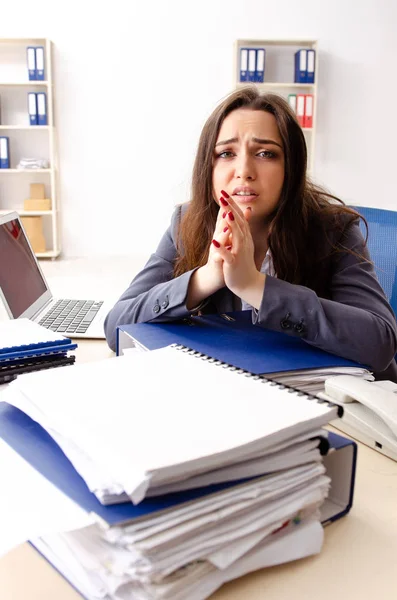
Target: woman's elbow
pixel 381 354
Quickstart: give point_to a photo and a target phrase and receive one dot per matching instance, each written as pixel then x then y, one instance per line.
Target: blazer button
pixel 286 323
pixel 156 308
pixel 299 327
pixel 165 304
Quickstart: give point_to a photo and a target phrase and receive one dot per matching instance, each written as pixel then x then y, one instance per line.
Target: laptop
pixel 26 294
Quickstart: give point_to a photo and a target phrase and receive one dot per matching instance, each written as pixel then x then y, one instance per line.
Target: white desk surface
pixel 358 559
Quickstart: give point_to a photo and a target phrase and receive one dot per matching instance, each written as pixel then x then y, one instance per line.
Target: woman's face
pixel 249 161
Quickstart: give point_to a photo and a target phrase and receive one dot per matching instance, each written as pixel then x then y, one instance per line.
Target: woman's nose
pixel 245 169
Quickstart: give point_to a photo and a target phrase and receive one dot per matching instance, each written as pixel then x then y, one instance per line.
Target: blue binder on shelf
pixel 234 340
pixel 41 108
pixel 301 66
pixel 251 64
pixel 311 66
pixel 4 152
pixel 243 64
pixel 260 65
pixel 40 63
pixel 37 447
pixel 32 108
pixel 31 60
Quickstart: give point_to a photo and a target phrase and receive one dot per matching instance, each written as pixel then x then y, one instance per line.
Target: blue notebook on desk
pixel 233 340
pixel 38 448
pixel 22 338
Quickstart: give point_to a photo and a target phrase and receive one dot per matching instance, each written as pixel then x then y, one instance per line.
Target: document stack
pixel 26 346
pixel 233 339
pixel 195 474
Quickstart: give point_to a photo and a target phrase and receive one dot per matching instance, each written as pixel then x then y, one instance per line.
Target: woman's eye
pixel 266 154
pixel 225 154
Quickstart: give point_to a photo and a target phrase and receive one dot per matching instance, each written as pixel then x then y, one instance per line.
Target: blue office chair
pixel 382 245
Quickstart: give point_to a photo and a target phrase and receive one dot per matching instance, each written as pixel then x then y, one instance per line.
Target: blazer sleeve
pixel 356 322
pixel 154 294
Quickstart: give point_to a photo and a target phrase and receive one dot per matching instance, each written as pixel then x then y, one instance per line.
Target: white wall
pixel 135 82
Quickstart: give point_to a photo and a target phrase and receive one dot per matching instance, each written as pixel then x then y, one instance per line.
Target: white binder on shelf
pixel 300 109
pixel 243 64
pixel 41 108
pixel 311 56
pixel 260 65
pixel 31 58
pixel 251 64
pixel 292 101
pixel 40 63
pixel 32 108
pixel 4 153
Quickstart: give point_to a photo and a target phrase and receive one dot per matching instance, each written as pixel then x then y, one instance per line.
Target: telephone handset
pixel 370 410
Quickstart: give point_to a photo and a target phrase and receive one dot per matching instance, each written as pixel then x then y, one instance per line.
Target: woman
pixel 258 235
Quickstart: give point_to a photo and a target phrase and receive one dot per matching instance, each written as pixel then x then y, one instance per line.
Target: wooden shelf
pixel 24 171
pixel 24 127
pixel 26 213
pixel 273 84
pixel 23 83
pixel 48 254
pixel 15 182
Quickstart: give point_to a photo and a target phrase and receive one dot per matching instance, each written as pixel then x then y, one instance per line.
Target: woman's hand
pixel 209 279
pixel 240 273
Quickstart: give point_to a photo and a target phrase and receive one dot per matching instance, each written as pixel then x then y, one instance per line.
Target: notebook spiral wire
pixel 261 378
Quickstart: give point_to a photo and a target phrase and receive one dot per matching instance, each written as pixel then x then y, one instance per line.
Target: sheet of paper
pixel 30 505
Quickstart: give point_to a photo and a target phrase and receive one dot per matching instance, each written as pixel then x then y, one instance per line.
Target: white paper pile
pixel 162 422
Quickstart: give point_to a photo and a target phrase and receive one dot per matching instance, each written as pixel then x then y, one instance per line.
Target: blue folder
pixel 40 349
pixel 235 342
pixel 38 448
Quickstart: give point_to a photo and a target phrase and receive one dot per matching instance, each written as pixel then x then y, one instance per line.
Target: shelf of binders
pixel 285 67
pixel 26 108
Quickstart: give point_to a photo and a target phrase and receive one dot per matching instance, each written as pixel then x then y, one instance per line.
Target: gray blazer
pixel 352 318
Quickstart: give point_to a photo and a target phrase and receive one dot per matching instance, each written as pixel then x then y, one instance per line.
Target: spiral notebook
pixel 235 340
pixel 141 422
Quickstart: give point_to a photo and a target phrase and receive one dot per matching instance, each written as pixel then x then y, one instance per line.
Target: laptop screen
pixel 21 281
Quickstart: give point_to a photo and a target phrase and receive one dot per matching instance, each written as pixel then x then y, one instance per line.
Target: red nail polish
pixel 231 216
pixel 228 247
pixel 224 215
pixel 225 194
pixel 226 229
pixel 223 201
pixel 216 244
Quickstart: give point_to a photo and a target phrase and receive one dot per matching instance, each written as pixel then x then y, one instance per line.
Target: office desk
pixel 358 560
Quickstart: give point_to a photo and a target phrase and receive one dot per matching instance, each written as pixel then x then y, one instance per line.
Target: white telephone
pixel 370 410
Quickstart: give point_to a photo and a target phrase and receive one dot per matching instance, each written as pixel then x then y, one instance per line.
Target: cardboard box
pixel 37 204
pixel 34 230
pixel 37 190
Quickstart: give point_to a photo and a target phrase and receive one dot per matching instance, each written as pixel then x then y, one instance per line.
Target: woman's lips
pixel 245 199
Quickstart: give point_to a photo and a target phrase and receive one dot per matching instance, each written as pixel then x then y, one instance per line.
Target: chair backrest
pixel 382 245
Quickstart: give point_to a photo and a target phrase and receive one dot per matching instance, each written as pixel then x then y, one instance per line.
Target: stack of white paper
pixel 164 421
pixel 164 417
pixel 312 381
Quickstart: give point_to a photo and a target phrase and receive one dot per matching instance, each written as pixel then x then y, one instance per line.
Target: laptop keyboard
pixel 71 316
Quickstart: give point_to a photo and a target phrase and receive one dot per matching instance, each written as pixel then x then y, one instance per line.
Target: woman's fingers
pixel 222 253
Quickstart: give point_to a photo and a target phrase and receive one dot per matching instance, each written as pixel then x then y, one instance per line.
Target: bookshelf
pixel 28 141
pixel 279 77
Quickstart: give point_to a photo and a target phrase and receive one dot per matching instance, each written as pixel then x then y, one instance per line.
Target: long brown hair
pixel 305 213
